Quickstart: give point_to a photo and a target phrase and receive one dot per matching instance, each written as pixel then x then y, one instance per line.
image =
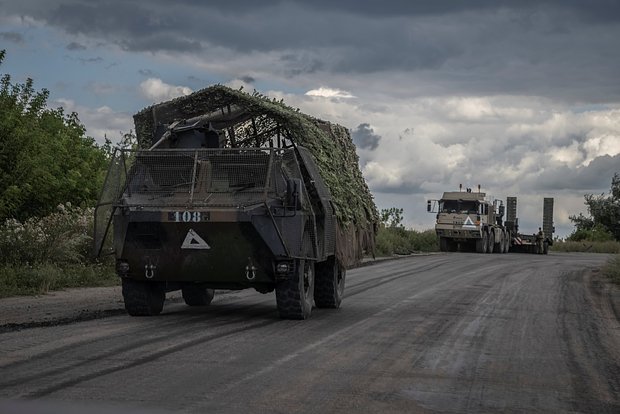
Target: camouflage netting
pixel 257 119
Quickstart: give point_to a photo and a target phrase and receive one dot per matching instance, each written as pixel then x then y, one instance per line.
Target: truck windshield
pixel 458 206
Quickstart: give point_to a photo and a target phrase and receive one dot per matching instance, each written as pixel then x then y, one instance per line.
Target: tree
pixel 45 156
pixel 392 217
pixel 604 213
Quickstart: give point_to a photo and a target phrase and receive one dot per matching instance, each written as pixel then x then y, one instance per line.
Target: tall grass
pixel 50 253
pixel 586 246
pixel 398 240
pixel 44 277
pixel 612 269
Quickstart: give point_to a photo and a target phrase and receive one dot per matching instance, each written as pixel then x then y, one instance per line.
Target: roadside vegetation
pixel 587 246
pixel 394 239
pixel 612 269
pixel 50 253
pixel 599 231
pixel 50 177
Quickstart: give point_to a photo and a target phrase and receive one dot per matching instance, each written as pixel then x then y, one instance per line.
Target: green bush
pixel 598 233
pixel 398 240
pixel 46 158
pixel 50 253
pixel 62 237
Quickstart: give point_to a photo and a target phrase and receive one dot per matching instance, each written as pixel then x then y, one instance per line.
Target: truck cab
pixel 467 220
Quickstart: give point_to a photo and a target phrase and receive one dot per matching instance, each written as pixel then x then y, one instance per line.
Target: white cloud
pixel 329 93
pixel 511 145
pixel 157 90
pixel 100 122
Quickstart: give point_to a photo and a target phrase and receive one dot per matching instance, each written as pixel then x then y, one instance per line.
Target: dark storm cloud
pixel 557 48
pixel 12 37
pixel 364 137
pixel 596 175
pixel 75 46
pixel 400 188
pixel 247 79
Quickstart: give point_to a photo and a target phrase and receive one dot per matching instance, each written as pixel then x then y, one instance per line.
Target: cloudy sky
pixel 521 97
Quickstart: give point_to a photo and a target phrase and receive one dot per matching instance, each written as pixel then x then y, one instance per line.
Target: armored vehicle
pixel 466 220
pixel 226 193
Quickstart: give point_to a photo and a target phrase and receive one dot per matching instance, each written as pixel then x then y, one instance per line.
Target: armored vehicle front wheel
pixel 329 284
pixel 143 298
pixel 197 295
pixel 295 293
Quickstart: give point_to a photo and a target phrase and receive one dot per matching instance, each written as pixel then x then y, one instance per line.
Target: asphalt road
pixel 444 333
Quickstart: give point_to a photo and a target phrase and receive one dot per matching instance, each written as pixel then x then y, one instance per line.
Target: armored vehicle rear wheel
pixel 143 298
pixel 329 284
pixel 197 295
pixel 295 294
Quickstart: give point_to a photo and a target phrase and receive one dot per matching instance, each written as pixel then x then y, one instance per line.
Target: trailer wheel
pixel 483 243
pixel 197 295
pixel 491 242
pixel 545 247
pixel 329 284
pixel 506 242
pixel 143 298
pixel 294 295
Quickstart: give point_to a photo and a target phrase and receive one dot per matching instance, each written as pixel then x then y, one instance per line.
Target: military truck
pixel 467 221
pixel 228 191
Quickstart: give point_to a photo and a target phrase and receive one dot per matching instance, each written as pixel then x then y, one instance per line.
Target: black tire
pixel 491 241
pixel 329 284
pixel 482 244
pixel 443 244
pixel 197 295
pixel 498 247
pixel 545 248
pixel 453 246
pixel 143 298
pixel 295 294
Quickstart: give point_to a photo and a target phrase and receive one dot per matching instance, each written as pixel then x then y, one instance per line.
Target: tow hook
pixel 250 270
pixel 149 270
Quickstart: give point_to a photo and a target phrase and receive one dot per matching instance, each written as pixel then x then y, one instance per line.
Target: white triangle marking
pixel 469 224
pixel 194 241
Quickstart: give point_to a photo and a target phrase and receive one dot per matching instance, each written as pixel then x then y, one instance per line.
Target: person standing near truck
pixel 540 237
